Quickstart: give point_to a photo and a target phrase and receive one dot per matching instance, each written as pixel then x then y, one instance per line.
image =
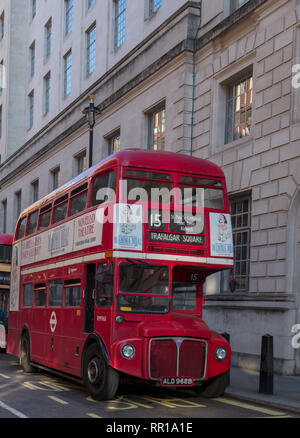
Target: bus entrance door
pixel 89 298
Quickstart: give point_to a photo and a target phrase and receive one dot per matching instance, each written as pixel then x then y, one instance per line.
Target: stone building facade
pixel 218 80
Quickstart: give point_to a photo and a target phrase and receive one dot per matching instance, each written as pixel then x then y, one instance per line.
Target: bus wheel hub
pixel 93 371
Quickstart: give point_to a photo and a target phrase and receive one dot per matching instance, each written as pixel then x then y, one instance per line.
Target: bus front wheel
pixel 101 381
pixel 25 354
pixel 214 387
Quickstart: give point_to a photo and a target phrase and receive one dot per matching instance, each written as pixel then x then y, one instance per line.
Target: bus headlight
pixel 128 351
pixel 220 353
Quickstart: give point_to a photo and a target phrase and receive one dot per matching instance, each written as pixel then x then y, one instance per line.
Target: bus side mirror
pixel 232 285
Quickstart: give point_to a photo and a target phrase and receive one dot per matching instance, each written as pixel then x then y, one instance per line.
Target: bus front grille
pixel 184 357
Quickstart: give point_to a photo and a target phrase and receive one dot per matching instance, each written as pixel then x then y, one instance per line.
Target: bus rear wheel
pixel 25 354
pixel 101 381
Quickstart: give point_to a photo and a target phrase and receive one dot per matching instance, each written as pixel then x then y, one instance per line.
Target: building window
pixel 114 143
pixel 48 38
pixel 236 4
pixel 2 76
pixel 91 50
pixel 2 26
pixel 47 80
pixel 67 73
pixel 120 22
pixel 80 163
pixel 68 16
pixel 30 109
pixel 241 230
pixel 239 109
pixel 18 204
pixel 154 5
pixel 35 190
pixel 4 216
pixel 157 128
pixel 33 9
pixel 91 3
pixel 32 59
pixel 55 178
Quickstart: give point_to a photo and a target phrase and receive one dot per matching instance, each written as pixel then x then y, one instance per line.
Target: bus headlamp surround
pixel 220 353
pixel 128 351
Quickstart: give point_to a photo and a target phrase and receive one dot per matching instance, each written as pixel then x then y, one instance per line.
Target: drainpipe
pixel 194 81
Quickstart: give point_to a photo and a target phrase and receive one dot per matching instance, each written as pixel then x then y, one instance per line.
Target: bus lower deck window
pixel 72 293
pixel 27 295
pixel 40 294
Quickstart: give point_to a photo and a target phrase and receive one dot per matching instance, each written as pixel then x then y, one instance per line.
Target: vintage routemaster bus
pixel 5 263
pixel 108 273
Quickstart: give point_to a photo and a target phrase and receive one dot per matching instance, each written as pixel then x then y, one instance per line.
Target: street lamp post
pixel 90 113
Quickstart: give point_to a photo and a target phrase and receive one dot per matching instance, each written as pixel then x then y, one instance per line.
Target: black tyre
pixel 214 387
pixel 25 354
pixel 101 381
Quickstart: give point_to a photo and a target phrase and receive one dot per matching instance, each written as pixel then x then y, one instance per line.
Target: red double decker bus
pixel 5 263
pixel 108 273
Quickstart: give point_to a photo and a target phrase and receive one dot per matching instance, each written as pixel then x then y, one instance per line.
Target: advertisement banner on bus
pixel 128 226
pixel 220 235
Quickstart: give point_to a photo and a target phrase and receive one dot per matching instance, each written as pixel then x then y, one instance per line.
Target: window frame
pixel 119 23
pixel 235 5
pixel 225 276
pixel 48 38
pixel 67 74
pixel 160 142
pixel 91 49
pixel 154 5
pixel 68 16
pixel 47 92
pixel 231 98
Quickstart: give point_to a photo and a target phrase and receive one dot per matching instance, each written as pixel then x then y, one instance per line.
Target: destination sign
pixel 185 222
pixel 186 239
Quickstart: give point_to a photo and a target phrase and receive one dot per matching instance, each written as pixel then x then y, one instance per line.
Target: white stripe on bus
pixel 176 258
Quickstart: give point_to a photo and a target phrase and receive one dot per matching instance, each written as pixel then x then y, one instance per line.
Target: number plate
pixel 177 381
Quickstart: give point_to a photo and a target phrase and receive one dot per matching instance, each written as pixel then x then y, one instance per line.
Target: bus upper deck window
pixel 213 199
pixel 45 217
pixel 60 209
pixel 132 173
pixel 200 181
pixel 101 183
pixel 201 197
pixel 22 228
pixel 32 222
pixel 78 203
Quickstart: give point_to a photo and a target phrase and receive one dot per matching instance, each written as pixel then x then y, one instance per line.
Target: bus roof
pixel 6 239
pixel 146 159
pixel 167 161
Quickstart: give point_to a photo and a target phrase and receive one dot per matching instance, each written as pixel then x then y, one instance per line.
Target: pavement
pixel 244 385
